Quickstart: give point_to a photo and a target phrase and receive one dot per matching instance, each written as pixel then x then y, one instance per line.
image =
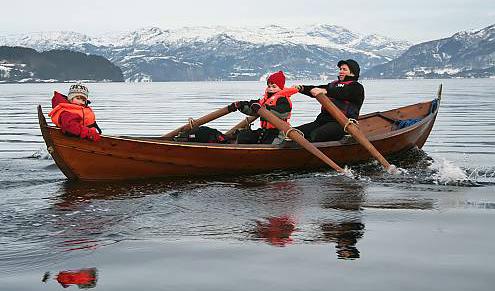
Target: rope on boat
pixel 286 134
pixel 191 122
pixel 349 121
pixel 248 122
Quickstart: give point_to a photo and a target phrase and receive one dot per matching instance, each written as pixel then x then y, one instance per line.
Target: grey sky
pixel 417 20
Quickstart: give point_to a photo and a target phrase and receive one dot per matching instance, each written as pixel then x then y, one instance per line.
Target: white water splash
pixel 482 174
pixel 348 172
pixel 397 171
pixel 446 172
pixel 402 171
pixel 41 154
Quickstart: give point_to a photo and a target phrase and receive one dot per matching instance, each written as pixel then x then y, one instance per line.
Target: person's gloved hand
pixel 299 87
pixel 255 107
pixel 91 134
pixel 94 135
pixel 316 91
pixel 233 107
pixel 243 106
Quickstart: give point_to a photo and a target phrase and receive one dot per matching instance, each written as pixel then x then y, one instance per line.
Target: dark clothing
pixel 203 134
pixel 347 95
pixel 319 132
pixel 260 136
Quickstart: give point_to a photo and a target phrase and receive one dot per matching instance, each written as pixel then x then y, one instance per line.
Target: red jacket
pixel 70 123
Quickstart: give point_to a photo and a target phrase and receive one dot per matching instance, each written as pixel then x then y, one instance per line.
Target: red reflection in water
pixel 277 230
pixel 80 244
pixel 83 278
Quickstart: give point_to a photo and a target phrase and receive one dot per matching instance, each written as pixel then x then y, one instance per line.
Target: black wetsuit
pixel 347 95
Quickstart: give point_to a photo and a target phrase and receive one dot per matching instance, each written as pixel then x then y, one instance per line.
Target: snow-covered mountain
pixel 223 53
pixel 465 54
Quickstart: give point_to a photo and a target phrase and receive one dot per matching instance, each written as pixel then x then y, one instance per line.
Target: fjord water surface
pixel 430 228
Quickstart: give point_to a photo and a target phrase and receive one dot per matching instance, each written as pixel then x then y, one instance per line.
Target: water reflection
pixel 345 227
pixel 281 202
pixel 83 278
pixel 334 206
pixel 345 236
pixel 276 231
pixel 281 210
pixel 91 215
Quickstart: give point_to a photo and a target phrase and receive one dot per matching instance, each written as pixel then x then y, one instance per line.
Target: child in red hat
pixel 277 100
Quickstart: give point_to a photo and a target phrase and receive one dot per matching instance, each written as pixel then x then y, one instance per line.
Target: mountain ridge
pixel 240 53
pixel 465 54
pixel 223 53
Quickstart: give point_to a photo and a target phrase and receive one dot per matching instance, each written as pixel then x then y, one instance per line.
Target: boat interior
pixel 372 124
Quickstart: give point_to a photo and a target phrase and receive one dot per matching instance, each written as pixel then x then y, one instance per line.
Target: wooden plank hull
pixel 119 158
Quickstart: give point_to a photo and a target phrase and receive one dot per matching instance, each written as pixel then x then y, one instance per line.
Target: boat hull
pixel 121 158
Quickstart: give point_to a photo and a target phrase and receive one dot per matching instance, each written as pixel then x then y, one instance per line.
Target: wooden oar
pixel 354 130
pixel 193 123
pixel 243 124
pixel 297 137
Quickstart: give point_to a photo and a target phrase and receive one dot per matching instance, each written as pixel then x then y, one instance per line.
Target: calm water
pixel 430 228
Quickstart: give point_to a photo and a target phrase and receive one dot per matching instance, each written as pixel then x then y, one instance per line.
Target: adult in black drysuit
pixel 346 93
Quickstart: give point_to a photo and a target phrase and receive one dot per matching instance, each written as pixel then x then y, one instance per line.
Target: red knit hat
pixel 278 79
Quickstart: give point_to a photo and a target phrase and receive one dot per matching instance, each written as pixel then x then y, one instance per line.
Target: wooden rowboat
pixel 120 158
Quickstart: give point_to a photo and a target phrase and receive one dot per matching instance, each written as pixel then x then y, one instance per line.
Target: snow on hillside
pixel 220 52
pixel 328 36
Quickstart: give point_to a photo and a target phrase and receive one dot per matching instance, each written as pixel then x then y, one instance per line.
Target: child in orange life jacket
pixel 73 115
pixel 277 101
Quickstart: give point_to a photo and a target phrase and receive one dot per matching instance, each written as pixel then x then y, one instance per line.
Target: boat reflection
pixel 89 215
pixel 306 208
pixel 72 195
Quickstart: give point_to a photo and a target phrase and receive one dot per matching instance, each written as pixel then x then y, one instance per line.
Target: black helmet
pixel 353 66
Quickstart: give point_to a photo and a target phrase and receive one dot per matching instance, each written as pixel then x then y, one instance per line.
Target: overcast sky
pixel 417 21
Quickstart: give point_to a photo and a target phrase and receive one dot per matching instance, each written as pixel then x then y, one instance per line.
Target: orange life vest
pixel 86 113
pixel 272 101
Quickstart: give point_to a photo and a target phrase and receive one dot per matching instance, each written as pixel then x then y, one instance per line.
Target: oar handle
pixel 297 137
pixel 193 123
pixel 353 130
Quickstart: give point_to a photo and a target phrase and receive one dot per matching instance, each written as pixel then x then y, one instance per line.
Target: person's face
pixel 79 100
pixel 344 71
pixel 272 88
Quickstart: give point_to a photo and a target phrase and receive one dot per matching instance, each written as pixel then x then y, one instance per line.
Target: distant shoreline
pixel 220 81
